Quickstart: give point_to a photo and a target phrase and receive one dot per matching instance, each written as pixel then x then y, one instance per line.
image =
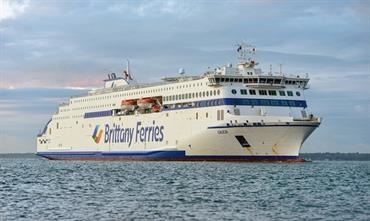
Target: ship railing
pixel 136 86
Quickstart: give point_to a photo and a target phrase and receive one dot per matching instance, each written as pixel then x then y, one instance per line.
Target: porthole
pixel 298 93
pixel 233 91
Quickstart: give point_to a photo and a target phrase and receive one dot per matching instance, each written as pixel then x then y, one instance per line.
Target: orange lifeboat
pixel 128 104
pixel 147 102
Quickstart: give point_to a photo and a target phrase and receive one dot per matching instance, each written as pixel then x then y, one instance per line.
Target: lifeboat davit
pixel 147 102
pixel 129 104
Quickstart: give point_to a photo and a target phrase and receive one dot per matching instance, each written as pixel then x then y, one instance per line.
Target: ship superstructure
pixel 229 113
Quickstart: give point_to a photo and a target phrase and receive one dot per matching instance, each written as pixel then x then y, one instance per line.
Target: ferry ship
pixel 230 113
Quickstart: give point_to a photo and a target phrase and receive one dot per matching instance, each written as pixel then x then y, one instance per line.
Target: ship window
pixel 272 93
pixel 277 81
pixel 173 97
pixel 206 114
pixel 177 97
pixel 262 92
pixel 49 131
pixel 186 96
pixel 204 94
pixel 227 80
pixel 222 79
pixel 282 93
pixel 207 93
pixel 233 91
pixel 298 93
pixel 196 115
pixel 290 93
pixel 218 92
pixel 243 91
pixel 252 92
pixel 183 96
pixel 269 81
pixel 262 80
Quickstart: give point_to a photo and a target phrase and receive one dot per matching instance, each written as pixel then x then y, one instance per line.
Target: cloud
pixel 74 44
pixel 10 9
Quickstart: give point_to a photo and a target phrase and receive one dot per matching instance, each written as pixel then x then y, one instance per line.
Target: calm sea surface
pixel 37 189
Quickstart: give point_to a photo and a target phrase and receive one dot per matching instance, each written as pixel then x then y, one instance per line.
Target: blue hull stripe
pixel 242 102
pixel 156 155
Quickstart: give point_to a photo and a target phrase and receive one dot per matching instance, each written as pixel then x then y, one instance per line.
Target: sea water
pixel 36 189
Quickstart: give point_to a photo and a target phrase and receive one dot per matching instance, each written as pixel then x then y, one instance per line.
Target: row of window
pixel 87 107
pixel 192 95
pixel 139 92
pixel 265 92
pixel 258 80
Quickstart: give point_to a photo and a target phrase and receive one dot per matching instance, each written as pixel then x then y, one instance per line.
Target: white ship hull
pixel 174 136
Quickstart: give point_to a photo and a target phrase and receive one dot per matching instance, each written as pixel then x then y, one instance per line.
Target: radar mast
pixel 246 55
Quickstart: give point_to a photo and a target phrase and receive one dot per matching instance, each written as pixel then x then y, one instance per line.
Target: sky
pixel 53 49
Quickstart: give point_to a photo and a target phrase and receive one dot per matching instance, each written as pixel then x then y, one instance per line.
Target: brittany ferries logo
pixel 97 135
pixel 140 134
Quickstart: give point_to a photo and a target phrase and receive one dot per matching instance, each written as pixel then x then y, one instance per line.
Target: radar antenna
pixel 246 54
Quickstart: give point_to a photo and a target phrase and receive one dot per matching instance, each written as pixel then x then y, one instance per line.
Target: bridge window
pixel 272 92
pixel 252 92
pixel 290 93
pixel 243 91
pixel 282 93
pixel 233 91
pixel 262 92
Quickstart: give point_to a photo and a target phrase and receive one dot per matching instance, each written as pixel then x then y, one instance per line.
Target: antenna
pixel 128 72
pixel 270 69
